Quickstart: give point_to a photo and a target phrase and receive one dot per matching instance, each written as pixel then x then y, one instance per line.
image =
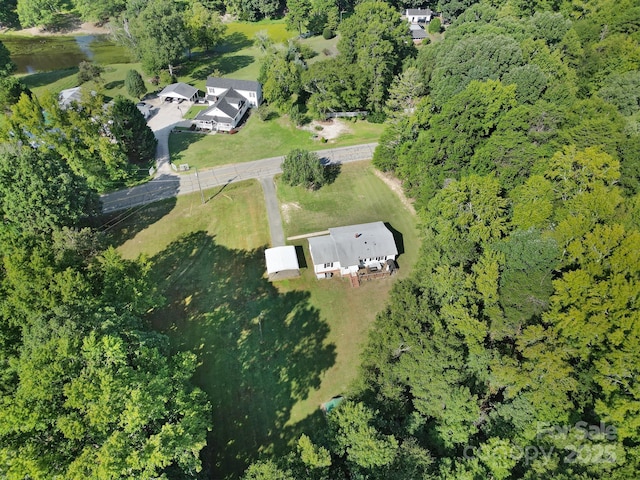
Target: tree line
pixel 511 351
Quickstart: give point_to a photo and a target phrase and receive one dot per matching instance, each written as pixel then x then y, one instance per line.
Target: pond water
pixel 42 54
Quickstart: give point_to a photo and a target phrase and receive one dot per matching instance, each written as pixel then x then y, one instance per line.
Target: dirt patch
pixel 329 129
pixel 286 208
pixel 86 28
pixel 395 184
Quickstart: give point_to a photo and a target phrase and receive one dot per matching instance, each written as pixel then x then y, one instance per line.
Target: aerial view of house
pixel 346 250
pixel 229 100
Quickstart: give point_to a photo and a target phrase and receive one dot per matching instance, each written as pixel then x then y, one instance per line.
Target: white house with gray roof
pixel 229 100
pixel 348 250
pixel 419 15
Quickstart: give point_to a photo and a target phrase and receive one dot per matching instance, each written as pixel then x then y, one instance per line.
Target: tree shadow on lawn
pixel 261 350
pixel 226 65
pixel 114 84
pixel 234 42
pixel 35 80
pixel 123 225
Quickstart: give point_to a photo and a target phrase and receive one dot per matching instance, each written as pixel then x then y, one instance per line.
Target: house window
pixel 328 265
pixel 252 94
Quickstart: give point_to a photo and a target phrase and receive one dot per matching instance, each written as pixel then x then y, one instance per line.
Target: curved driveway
pixel 167 185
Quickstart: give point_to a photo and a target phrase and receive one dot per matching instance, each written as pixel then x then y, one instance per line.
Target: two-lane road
pixel 170 185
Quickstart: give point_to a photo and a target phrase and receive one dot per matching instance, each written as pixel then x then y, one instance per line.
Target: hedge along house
pixel 354 250
pixel 229 101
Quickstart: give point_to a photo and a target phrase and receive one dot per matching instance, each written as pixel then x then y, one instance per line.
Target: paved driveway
pixel 164 117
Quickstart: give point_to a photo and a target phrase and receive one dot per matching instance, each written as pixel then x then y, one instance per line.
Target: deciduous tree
pixel 301 167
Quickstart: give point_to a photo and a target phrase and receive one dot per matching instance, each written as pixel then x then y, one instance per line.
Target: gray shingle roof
pixel 178 90
pixel 323 249
pixel 419 11
pixel 231 83
pixel 350 244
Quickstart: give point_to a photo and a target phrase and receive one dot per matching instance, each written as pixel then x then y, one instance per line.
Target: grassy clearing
pixel 112 86
pixel 357 194
pixel 259 139
pixel 270 353
pixel 325 48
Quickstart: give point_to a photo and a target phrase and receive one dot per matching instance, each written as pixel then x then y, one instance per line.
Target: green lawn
pixel 258 139
pixel 270 353
pixel 194 110
pixel 112 86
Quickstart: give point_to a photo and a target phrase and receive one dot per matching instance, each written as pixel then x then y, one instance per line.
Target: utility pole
pixel 199 186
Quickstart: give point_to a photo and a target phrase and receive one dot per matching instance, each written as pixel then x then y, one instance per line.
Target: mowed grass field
pixel 260 139
pixel 270 353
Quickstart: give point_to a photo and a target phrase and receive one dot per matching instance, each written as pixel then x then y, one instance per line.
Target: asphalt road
pixel 167 185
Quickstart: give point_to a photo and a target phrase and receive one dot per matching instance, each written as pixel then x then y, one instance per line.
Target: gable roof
pixel 352 243
pixel 223 104
pixel 178 90
pixel 230 83
pixel 66 97
pixel 417 32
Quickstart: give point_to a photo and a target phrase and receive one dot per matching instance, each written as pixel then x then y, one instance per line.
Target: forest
pixel 512 350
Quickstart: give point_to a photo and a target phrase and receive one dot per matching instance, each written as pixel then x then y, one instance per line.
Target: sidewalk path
pixel 167 185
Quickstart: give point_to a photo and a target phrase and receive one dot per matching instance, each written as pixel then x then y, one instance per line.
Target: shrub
pixel 134 84
pixel 297 117
pixel 88 71
pixel 165 78
pixel 263 112
pixel 328 34
pixel 301 167
pixel 376 117
pixel 435 26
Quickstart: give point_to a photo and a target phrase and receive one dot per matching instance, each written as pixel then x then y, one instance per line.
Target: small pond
pixel 42 54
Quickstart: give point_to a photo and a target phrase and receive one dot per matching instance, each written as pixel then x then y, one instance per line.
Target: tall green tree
pixel 39 192
pixel 8 14
pixel 155 31
pixel 99 11
pixel 131 131
pixel 205 27
pixel 297 15
pixel 301 167
pixel 41 13
pixel 376 38
pixel 7 66
pixel 280 78
pixel 134 84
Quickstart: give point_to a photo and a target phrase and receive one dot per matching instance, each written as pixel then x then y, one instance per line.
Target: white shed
pixel 282 262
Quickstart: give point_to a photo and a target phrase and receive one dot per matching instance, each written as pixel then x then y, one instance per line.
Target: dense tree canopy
pixel 39 192
pixel 301 167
